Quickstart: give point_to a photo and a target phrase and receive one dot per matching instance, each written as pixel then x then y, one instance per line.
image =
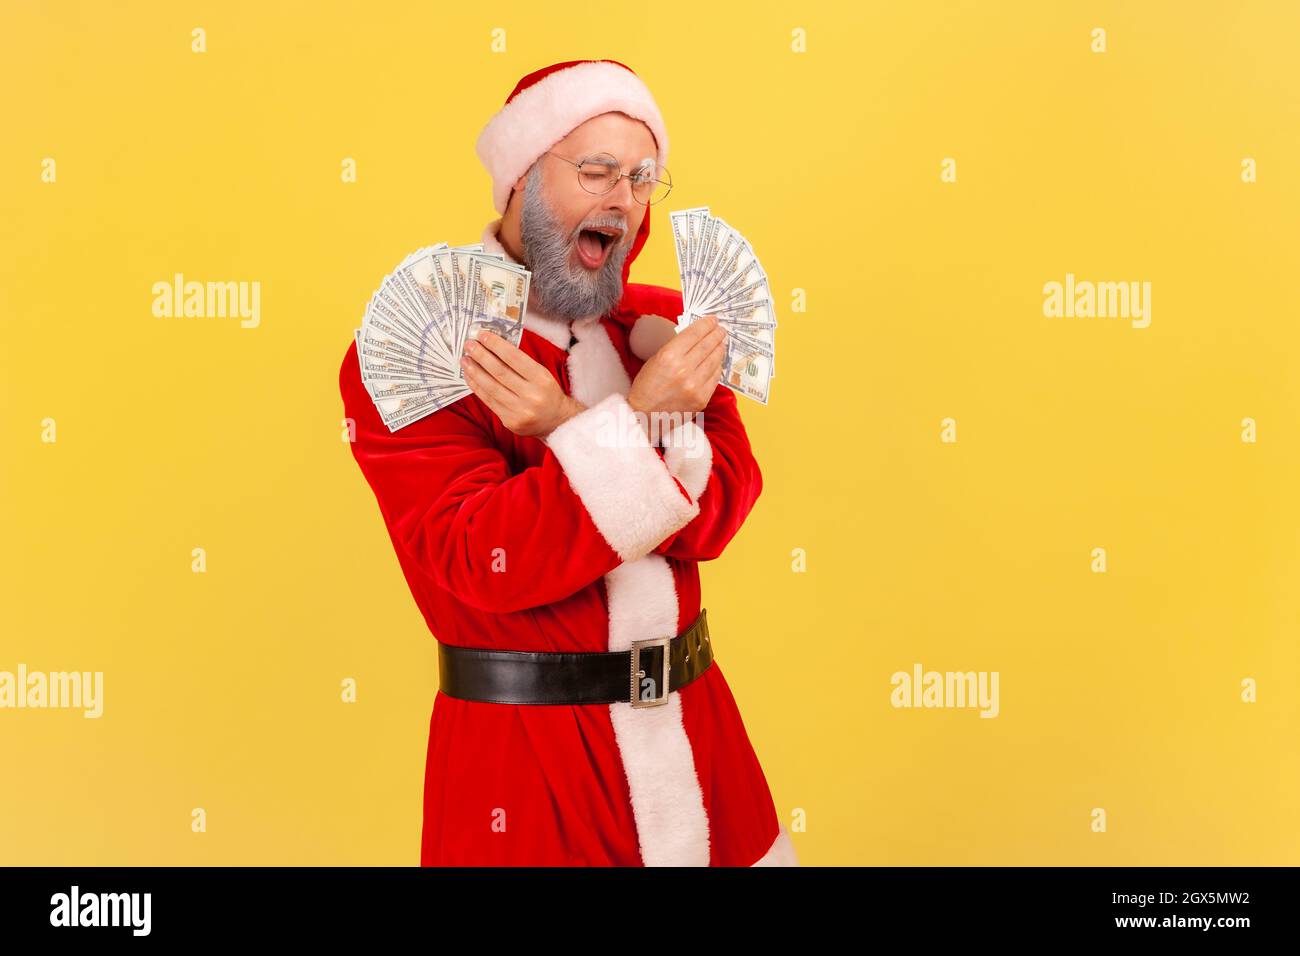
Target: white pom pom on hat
pixel 649 334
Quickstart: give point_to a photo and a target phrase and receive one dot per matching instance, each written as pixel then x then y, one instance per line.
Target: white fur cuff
pixel 688 455
pixel 624 485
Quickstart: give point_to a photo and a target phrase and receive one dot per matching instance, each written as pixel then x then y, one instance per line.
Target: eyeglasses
pixel 600 172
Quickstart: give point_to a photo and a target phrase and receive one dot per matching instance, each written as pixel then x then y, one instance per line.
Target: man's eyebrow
pixel 635 164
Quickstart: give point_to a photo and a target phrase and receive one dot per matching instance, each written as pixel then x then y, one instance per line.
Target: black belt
pixel 637 676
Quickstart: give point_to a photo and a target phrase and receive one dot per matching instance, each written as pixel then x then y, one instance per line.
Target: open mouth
pixel 594 244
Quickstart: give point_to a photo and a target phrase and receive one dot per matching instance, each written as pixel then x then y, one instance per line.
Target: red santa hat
pixel 547 104
pixel 544 107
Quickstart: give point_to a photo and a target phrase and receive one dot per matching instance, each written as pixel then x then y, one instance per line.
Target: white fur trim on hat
pixel 543 114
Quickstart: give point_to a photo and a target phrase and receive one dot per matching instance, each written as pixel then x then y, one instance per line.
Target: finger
pixel 493 393
pixel 714 359
pixel 709 373
pixel 684 341
pixel 679 344
pixel 489 361
pixel 706 344
pixel 507 353
pixel 709 364
pixel 698 329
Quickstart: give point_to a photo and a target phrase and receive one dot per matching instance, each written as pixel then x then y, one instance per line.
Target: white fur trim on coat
pixel 667 801
pixel 595 370
pixel 624 485
pixel 546 112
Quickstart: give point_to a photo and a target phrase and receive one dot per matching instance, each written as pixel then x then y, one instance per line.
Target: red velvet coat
pixel 600 542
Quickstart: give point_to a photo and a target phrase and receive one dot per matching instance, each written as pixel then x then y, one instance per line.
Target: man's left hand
pixel 520 391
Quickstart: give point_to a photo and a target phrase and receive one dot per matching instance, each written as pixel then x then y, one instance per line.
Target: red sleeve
pixel 717 467
pixel 505 542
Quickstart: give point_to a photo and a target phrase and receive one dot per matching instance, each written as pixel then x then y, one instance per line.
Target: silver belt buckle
pixel 638 674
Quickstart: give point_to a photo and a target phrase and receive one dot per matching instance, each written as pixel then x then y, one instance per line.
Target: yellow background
pixel 1118 690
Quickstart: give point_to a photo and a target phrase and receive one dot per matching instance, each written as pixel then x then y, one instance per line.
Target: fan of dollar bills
pixel 414 329
pixel 413 333
pixel 721 276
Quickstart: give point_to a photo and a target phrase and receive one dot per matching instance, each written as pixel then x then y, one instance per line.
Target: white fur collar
pixel 554 330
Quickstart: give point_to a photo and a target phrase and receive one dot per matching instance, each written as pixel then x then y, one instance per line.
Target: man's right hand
pixel 682 376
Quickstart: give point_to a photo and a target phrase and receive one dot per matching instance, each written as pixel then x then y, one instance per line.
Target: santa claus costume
pixel 600 545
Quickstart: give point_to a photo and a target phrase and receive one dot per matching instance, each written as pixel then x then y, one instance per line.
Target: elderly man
pixel 550 531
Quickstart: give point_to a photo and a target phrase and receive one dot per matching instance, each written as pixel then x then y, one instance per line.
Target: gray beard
pixel 558 288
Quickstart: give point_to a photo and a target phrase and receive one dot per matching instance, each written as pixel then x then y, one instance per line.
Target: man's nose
pixel 620 197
